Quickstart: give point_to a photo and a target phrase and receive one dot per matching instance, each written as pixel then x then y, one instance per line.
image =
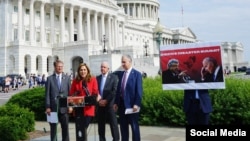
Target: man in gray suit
pixel 107 85
pixel 57 88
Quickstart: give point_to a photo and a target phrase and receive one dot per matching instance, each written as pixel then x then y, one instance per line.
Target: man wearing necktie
pixel 57 86
pixel 107 84
pixel 129 96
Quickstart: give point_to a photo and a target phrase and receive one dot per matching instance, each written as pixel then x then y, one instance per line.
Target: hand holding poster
pixel 192 66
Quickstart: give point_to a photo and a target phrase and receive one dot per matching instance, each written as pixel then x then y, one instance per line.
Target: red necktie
pixel 123 83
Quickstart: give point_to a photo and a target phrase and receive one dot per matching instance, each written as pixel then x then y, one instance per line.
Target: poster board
pixel 75 101
pixel 191 58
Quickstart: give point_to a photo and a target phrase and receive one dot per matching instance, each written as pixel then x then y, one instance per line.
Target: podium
pixel 78 103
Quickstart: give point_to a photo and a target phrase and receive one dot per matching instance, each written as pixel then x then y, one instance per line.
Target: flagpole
pixel 182 15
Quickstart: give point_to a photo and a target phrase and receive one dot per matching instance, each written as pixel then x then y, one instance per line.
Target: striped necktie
pixel 124 79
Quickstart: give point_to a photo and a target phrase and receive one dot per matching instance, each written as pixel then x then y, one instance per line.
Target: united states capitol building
pixel 35 33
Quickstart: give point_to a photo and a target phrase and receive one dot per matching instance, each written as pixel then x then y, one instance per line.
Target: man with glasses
pixel 173 73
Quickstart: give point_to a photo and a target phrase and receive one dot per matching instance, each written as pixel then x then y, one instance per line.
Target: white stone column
pixel 112 29
pixel 140 12
pixel 157 9
pixel 31 18
pixel 88 36
pixel 20 23
pixel 150 11
pixel 137 11
pixel 128 9
pixel 52 23
pixel 71 23
pixel 103 24
pixel 153 12
pixel 109 32
pixel 62 20
pixel 143 11
pixel 134 11
pixel 116 36
pixel 123 34
pixel 80 33
pixel 96 26
pixel 42 24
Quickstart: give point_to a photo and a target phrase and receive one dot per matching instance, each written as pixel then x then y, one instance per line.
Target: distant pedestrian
pixel 31 82
pixel 7 84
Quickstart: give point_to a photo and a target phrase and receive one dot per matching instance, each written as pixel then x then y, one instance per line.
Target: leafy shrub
pixel 232 105
pixel 15 122
pixel 164 107
pixel 160 107
pixel 10 129
pixel 34 99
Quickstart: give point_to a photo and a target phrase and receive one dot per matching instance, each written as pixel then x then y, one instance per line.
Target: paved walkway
pixel 148 133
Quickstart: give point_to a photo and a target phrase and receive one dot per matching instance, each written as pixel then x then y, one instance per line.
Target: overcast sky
pixel 211 20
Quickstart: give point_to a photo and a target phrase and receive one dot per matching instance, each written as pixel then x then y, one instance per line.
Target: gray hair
pixel 210 59
pixel 172 61
pixel 128 56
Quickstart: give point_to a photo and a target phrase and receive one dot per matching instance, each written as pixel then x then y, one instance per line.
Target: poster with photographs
pixel 192 66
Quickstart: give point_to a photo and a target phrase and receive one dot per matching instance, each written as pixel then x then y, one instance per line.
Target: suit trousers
pixel 105 114
pixel 81 124
pixel 195 115
pixel 125 120
pixel 64 120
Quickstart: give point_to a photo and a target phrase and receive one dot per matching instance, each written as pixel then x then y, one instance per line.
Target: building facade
pixel 35 33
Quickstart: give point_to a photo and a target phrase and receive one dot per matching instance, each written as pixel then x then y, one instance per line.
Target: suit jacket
pixel 53 93
pixel 77 88
pixel 110 87
pixel 169 77
pixel 219 77
pixel 133 90
pixel 211 78
pixel 204 97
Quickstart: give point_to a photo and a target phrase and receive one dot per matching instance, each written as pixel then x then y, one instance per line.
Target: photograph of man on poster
pixel 211 71
pixel 192 66
pixel 173 74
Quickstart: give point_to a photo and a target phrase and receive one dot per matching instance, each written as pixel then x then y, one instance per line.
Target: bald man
pixel 211 70
pixel 107 84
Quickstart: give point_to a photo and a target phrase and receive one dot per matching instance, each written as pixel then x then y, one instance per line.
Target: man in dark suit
pixel 197 107
pixel 107 84
pixel 129 96
pixel 57 86
pixel 211 71
pixel 172 74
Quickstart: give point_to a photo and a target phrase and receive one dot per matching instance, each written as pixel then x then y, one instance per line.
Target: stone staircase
pixel 146 65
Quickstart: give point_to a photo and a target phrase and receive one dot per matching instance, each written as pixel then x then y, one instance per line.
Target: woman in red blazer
pixel 83 85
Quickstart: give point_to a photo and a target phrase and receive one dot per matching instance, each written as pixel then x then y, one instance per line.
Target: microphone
pixel 76 93
pixel 59 96
pixel 84 86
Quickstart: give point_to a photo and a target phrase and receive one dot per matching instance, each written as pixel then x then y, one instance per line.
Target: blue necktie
pixel 102 84
pixel 196 94
pixel 58 82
